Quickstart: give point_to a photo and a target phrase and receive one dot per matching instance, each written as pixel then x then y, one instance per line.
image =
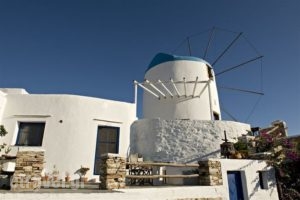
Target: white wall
pixel 157 193
pixel 72 142
pixel 181 140
pixel 189 107
pixel 250 178
pixel 2 104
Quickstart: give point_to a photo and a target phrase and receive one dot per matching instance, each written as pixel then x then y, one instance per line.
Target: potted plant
pixel 67 177
pixel 82 172
pixel 46 176
pixel 55 173
pixel 6 149
pixel 4 146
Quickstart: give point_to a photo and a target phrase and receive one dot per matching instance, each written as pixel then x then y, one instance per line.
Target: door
pixel 235 186
pixel 107 142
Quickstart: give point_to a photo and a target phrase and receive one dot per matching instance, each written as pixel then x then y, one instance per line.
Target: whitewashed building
pixel 181 123
pixel 181 112
pixel 73 130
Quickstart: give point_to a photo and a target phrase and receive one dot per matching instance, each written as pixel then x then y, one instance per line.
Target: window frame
pixel 20 123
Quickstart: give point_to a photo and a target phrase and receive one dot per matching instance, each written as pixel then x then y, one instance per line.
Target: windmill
pixel 230 53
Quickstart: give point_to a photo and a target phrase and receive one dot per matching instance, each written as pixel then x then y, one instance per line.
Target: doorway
pixel 107 142
pixel 235 186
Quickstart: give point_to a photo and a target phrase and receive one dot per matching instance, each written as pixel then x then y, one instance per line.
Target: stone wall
pixel 210 173
pixel 182 141
pixel 112 171
pixel 27 176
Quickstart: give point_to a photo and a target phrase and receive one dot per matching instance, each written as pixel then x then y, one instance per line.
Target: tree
pixel 4 146
pixel 285 158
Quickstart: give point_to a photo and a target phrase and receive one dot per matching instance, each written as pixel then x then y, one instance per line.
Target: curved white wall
pixel 71 143
pixel 2 104
pixel 199 107
pixel 181 140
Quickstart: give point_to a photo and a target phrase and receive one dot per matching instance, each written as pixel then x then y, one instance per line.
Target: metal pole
pixel 175 88
pixel 163 85
pixel 239 65
pixel 135 97
pixel 228 47
pixel 148 90
pixel 208 45
pixel 189 45
pixel 155 88
pixel 135 92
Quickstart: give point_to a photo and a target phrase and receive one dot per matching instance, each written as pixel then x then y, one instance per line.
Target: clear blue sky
pixel 97 48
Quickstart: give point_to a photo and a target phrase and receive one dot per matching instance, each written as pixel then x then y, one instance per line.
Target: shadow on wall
pixel 196 158
pixel 250 163
pixel 271 182
pixel 255 189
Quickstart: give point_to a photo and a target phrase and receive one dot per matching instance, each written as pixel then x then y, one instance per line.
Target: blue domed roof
pixel 163 57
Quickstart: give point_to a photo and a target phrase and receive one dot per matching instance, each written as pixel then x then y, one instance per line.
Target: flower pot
pixel 84 179
pixel 46 178
pixel 67 179
pixel 55 178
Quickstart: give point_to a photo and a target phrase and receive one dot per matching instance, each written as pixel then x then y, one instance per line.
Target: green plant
pixel 3 131
pixel 240 146
pixel 4 146
pixel 82 171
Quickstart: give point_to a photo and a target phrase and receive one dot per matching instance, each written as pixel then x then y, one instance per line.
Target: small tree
pixel 285 158
pixel 3 132
pixel 4 146
pixel 82 172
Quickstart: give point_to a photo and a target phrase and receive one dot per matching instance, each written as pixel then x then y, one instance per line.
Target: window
pixel 209 72
pixel 30 134
pixel 107 142
pixel 263 179
pixel 216 116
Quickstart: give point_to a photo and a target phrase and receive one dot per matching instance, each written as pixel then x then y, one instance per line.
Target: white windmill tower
pixel 181 109
pixel 182 87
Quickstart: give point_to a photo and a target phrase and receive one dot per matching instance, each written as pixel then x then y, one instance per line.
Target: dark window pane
pixel 111 148
pixel 30 134
pixel 107 142
pixel 102 149
pixel 263 179
pixel 97 165
pixel 108 134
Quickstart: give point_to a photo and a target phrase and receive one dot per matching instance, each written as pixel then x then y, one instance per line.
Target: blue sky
pixel 97 48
